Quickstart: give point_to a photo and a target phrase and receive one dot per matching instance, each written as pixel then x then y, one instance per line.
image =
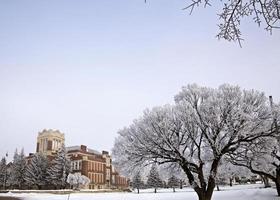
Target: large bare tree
pixel 202 127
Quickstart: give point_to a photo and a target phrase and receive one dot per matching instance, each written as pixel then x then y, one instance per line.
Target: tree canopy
pixel 203 127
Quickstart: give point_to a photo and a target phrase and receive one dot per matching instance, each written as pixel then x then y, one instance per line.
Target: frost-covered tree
pixel 154 180
pixel 36 171
pixel 262 156
pixel 18 169
pixel 203 126
pixel 77 181
pixel 173 182
pixel 3 173
pixel 136 181
pixel 59 169
pixel 228 172
pixel 262 12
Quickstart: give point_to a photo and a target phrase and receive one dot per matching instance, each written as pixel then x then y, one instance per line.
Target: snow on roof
pixel 77 148
pixel 93 151
pixel 71 148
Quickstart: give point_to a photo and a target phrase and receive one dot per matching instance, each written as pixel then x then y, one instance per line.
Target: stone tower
pixel 49 141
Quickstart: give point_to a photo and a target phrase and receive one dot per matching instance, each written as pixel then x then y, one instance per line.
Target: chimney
pixel 84 148
pixel 105 153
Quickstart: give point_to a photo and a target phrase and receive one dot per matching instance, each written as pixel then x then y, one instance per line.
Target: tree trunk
pixel 230 181
pixel 173 189
pixel 277 182
pixel 138 190
pixel 203 196
pixel 218 188
pixel 278 188
pixel 155 190
pixel 265 181
pixel 203 192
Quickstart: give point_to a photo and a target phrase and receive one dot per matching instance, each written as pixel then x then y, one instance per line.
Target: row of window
pixel 121 181
pixel 95 166
pixel 76 165
pixel 96 177
pixel 56 144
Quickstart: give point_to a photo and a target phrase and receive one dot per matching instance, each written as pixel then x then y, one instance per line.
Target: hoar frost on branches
pixel 173 182
pixel 154 180
pixel 265 12
pixel 77 181
pixel 36 171
pixel 262 156
pixel 3 173
pixel 16 178
pixel 60 168
pixel 137 182
pixel 202 127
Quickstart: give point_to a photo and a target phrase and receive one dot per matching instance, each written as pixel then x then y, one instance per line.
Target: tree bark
pixel 173 189
pixel 203 196
pixel 138 190
pixel 155 190
pixel 218 188
pixel 278 188
pixel 230 181
pixel 265 182
pixel 277 182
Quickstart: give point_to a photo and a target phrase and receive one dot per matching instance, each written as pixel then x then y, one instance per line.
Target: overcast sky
pixel 89 67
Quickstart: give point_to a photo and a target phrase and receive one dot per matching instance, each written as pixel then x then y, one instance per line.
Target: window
pixel 76 165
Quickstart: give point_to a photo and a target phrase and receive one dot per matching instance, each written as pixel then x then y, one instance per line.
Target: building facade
pixel 49 141
pixel 97 166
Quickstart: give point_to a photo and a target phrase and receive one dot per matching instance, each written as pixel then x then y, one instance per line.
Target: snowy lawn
pixel 243 192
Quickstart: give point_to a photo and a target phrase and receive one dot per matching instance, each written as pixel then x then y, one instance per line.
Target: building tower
pixel 49 141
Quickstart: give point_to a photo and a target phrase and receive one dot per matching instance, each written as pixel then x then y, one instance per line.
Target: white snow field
pixel 244 192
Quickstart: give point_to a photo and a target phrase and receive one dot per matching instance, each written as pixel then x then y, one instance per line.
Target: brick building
pixel 91 163
pixel 96 166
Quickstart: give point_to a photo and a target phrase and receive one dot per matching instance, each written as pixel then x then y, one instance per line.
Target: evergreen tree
pixel 173 182
pixel 36 171
pixel 18 170
pixel 154 179
pixel 136 181
pixel 3 173
pixel 58 171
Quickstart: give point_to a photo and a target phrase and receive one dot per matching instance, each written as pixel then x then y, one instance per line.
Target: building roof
pixel 78 148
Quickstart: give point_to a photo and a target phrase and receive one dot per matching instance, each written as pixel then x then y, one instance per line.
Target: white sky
pixel 89 68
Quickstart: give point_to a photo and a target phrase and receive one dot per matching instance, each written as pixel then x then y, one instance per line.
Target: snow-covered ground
pixel 240 192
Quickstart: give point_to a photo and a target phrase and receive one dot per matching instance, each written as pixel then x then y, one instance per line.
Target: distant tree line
pixel 155 181
pixel 227 175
